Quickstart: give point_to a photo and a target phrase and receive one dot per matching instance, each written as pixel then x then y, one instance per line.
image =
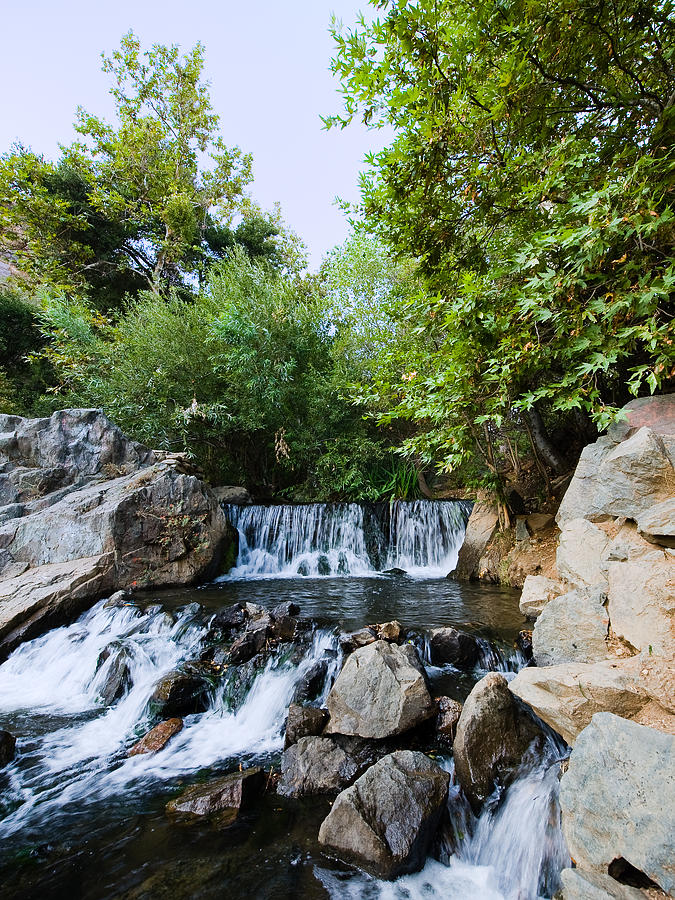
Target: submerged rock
pixel 156 739
pixel 179 694
pixel 618 799
pixel 449 646
pixel 303 721
pixel 380 692
pixel 386 820
pixel 493 733
pixel 7 748
pixel 220 800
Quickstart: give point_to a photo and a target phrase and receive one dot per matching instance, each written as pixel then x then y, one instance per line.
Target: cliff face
pixel 604 644
pixel 85 511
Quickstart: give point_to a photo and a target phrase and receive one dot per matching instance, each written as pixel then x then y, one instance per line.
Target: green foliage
pixel 20 336
pixel 128 206
pixel 532 176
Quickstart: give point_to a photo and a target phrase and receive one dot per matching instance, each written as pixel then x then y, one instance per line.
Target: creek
pixel 79 818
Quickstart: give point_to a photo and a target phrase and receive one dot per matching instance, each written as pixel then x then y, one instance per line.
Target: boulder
pixel 567 696
pixel 355 639
pixel 493 733
pixel 303 721
pixel 48 596
pixel 580 552
pixel 310 685
pixel 537 592
pixel 618 799
pixel 251 642
pixel 571 628
pixel 232 494
pixel 621 477
pixel 386 820
pixel 117 673
pixel 482 524
pixel 158 737
pixel 539 522
pixel 230 618
pixel 116 515
pixel 389 631
pixel 179 694
pixel 523 643
pixel 285 610
pixel 449 712
pixel 380 692
pixel 448 646
pixel 7 748
pixel 658 523
pixel 578 884
pixel 642 602
pixel 323 765
pixel 220 800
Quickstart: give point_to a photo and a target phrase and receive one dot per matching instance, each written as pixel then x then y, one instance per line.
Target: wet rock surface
pixel 179 694
pixel 7 748
pixel 386 820
pixel 449 712
pixel 220 800
pixel 492 735
pixel 449 646
pixel 303 721
pixel 380 692
pixel 158 737
pixel 324 765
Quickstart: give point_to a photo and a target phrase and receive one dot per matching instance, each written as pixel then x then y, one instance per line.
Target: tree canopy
pixel 532 177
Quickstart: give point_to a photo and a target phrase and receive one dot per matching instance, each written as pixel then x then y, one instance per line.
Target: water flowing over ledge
pixel 421 537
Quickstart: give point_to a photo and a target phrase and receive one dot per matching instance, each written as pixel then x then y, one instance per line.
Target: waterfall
pixel 515 850
pixel 421 537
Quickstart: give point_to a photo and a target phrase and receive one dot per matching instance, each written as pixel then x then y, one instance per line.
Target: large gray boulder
pixel 618 799
pixel 380 692
pixel 323 765
pixel 580 553
pixel 493 733
pixel 571 628
pixel 567 696
pixel 386 820
pixel 624 478
pixel 658 523
pixel 75 493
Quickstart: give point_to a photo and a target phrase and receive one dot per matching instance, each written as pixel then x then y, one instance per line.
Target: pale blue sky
pixel 268 64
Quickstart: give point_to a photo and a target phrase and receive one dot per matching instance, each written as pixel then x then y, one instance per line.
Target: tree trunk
pixel 548 452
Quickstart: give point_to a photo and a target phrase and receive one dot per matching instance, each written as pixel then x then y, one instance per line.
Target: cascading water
pixel 73 775
pixel 77 754
pixel 422 537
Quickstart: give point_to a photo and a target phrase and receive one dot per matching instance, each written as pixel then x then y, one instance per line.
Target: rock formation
pixel 85 511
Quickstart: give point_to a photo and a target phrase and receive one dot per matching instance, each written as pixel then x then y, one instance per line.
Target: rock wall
pixel 85 511
pixel 604 645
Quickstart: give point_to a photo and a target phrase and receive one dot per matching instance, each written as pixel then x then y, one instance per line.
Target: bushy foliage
pixel 532 177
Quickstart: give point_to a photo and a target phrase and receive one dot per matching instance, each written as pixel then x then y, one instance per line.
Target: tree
pixel 531 175
pixel 132 204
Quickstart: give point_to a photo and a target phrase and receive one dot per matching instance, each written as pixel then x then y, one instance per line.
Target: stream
pixel 79 818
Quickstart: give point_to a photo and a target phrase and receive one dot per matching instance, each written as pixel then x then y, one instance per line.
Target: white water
pixel 514 851
pixel 82 756
pixel 422 537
